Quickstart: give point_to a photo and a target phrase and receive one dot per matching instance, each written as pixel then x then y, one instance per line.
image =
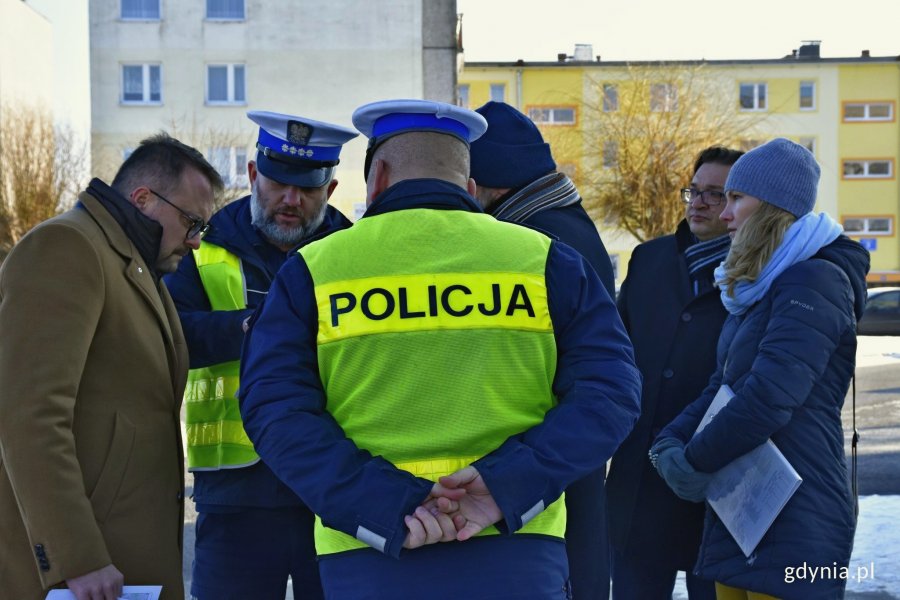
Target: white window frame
pixel 758 105
pixel 812 95
pixel 243 16
pixel 462 95
pixel 663 97
pixel 230 91
pixel 552 115
pixel 866 222
pixel 124 18
pixel 233 168
pixel 145 84
pixel 610 97
pixel 866 167
pixel 867 110
pixel 501 88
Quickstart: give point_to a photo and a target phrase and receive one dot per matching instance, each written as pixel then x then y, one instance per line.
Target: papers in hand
pixel 129 592
pixel 749 492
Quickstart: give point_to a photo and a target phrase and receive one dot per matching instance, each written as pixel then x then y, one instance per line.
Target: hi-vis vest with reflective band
pixel 215 433
pixel 433 349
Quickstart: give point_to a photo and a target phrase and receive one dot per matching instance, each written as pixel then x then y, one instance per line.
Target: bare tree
pixel 642 129
pixel 41 170
pixel 226 148
pixel 223 147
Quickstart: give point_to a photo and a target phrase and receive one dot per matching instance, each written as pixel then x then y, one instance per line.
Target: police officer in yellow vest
pixel 252 531
pixel 432 342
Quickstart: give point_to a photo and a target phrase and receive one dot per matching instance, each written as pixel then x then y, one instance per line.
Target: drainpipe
pixel 519 89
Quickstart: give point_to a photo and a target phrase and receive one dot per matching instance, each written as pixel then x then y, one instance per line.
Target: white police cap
pixel 298 151
pixel 379 120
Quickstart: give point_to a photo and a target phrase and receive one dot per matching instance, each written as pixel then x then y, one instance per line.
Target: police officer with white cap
pixel 444 381
pixel 252 531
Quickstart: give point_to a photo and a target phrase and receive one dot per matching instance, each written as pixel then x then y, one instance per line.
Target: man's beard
pixel 277 234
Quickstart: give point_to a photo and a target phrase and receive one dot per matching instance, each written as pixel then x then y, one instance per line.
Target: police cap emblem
pixel 298 133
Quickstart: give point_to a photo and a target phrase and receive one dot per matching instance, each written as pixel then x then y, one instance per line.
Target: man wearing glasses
pixel 673 315
pixel 252 531
pixel 92 369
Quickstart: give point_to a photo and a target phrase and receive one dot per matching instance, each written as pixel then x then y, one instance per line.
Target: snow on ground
pixel 875 564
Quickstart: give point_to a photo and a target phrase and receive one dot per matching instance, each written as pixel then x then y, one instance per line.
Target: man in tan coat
pixel 92 370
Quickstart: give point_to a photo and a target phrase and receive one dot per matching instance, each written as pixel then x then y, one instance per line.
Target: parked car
pixel 882 314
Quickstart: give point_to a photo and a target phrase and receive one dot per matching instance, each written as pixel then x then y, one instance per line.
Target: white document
pixel 749 492
pixel 129 592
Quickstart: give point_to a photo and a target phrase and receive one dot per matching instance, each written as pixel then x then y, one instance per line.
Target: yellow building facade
pixel 843 109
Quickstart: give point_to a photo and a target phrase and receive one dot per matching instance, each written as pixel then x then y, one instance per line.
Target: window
pixel 141 84
pixel 462 95
pixel 807 95
pixel 868 111
pixel 663 97
pixel 809 143
pixel 552 115
pixel 225 10
pixel 884 302
pixel 868 225
pixel 610 155
pixel 610 98
pixel 868 169
pixel 231 163
pixel 143 10
pixel 225 84
pixel 753 96
pixel 498 92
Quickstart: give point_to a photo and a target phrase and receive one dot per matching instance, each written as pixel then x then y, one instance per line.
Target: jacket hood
pixel 853 260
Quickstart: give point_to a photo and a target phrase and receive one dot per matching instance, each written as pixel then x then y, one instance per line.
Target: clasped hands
pixel 671 463
pixel 458 507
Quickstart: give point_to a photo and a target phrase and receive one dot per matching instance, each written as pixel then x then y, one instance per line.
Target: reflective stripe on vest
pixel 551 521
pixel 452 334
pixel 215 433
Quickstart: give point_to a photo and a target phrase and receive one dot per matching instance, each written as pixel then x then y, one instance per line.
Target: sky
pixel 507 30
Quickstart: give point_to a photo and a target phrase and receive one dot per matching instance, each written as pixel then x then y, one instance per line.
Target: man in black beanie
pixel 518 182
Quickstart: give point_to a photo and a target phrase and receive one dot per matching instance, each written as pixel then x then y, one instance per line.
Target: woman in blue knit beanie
pixel 794 287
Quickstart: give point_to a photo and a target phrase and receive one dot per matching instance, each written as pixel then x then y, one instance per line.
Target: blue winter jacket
pixel 789 360
pixel 216 336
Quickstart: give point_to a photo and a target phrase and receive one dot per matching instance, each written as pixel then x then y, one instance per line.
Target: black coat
pixel 674 335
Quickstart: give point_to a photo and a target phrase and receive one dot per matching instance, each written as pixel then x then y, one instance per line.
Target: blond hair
pixel 754 244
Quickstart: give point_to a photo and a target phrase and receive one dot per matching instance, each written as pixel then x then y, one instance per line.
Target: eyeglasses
pixel 707 197
pixel 198 226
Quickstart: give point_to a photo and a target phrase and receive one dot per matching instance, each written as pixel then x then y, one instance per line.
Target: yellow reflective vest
pixel 215 433
pixel 428 366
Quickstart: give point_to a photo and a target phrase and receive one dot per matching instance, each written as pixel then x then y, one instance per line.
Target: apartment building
pixel 195 67
pixel 26 56
pixel 843 109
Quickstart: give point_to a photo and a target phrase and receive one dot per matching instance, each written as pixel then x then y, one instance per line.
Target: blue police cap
pixel 297 151
pixel 380 120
